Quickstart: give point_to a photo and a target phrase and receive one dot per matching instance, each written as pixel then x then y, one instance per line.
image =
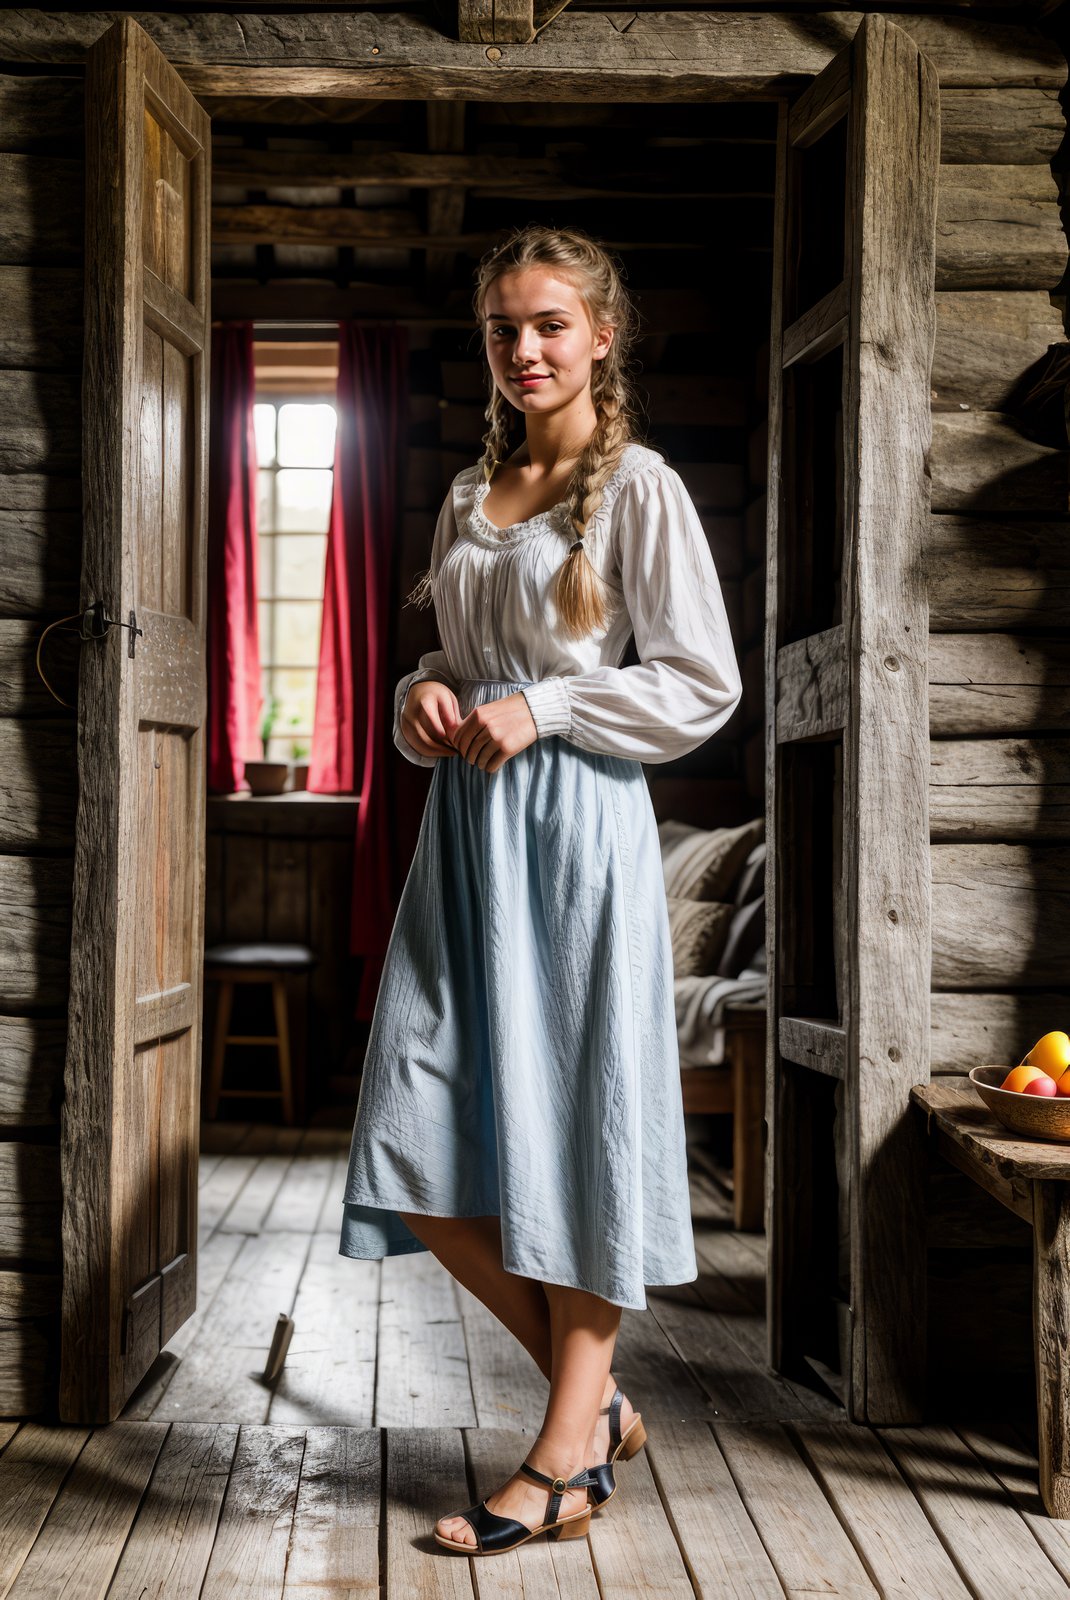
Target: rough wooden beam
pixel 669 55
pixel 999 789
pixel 812 687
pixel 979 1030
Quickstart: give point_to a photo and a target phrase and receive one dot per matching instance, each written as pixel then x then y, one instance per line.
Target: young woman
pixel 520 1112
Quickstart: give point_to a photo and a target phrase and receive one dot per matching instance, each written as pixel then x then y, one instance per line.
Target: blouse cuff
pixel 550 707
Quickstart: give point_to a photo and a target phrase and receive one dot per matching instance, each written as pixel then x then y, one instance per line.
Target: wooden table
pixel 1030 1177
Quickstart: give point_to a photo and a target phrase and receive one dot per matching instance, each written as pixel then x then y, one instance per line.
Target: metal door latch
pixel 95 623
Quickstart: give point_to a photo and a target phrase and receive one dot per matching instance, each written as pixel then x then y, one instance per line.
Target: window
pixel 295 456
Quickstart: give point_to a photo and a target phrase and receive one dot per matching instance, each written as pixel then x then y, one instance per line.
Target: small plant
pixel 298 751
pixel 268 722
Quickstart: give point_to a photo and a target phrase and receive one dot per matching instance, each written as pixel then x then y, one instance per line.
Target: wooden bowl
pixel 1028 1114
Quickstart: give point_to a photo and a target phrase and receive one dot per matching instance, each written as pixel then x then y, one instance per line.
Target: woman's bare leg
pixel 583 1333
pixel 470 1248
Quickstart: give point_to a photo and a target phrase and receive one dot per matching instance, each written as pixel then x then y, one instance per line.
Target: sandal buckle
pixel 560 1485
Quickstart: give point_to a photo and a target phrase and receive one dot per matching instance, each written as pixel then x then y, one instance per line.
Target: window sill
pixel 295 812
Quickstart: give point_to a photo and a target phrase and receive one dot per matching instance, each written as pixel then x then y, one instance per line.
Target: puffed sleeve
pixel 433 663
pixel 687 682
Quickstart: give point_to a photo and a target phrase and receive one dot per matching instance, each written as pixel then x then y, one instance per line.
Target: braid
pixel 496 438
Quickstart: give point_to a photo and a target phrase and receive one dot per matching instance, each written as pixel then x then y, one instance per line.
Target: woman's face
pixel 537 329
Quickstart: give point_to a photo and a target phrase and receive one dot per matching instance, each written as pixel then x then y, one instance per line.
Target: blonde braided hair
pixel 599 280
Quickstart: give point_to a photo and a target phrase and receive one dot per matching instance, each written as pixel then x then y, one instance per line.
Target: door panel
pixel 847 742
pixel 130 1121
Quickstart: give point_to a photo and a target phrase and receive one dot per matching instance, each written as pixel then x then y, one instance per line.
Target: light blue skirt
pixel 522 1058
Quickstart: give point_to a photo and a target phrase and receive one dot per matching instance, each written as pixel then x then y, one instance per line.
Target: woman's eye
pixel 552 327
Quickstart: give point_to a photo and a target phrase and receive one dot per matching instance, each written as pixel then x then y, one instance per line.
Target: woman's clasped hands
pixel 432 723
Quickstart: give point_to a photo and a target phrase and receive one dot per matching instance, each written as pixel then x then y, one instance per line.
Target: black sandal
pixel 626 1445
pixel 495 1534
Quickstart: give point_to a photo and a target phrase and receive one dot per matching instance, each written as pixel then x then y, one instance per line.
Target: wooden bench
pixel 1031 1179
pixel 739 1088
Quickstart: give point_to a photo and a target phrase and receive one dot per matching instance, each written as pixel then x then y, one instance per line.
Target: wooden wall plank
pixel 41 317
pixel 44 114
pixel 38 796
pixel 998 227
pixel 1016 125
pixel 982 463
pixel 31 1070
pixel 988 683
pixel 999 789
pixel 29 1201
pixel 35 930
pixel 985 340
pixel 977 1030
pixel 41 221
pixel 1001 916
pixel 985 574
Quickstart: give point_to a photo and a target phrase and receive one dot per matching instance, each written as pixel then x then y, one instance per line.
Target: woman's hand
pixel 430 717
pixel 494 731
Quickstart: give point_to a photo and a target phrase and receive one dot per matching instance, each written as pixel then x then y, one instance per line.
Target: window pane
pixel 264 425
pixel 265 616
pixel 300 563
pixel 297 632
pixel 265 566
pixel 297 691
pixel 264 498
pixel 303 501
pixel 306 435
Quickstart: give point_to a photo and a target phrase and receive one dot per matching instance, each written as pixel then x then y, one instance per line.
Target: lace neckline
pixel 481 527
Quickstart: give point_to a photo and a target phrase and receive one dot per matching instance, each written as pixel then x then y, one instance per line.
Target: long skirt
pixel 522 1058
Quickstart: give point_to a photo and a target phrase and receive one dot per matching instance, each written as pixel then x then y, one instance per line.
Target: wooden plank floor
pixel 402 1398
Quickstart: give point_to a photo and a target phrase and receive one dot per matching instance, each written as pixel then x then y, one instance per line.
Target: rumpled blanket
pixel 700 1007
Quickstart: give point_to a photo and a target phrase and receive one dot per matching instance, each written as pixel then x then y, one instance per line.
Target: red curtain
pixel 352 739
pixel 234 696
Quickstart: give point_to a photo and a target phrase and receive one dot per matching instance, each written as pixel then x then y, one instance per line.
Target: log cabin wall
pixel 999 689
pixel 997 563
pixel 41 225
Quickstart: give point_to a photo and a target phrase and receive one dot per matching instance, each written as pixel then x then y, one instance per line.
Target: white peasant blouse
pixel 492 590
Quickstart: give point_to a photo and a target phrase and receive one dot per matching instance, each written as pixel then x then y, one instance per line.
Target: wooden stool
pixel 739 1087
pixel 228 964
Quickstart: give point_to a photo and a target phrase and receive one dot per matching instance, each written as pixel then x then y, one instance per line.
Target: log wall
pixel 41 223
pixel 998 559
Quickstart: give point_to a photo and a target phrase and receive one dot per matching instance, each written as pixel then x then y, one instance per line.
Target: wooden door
pixel 131 1115
pixel 847 745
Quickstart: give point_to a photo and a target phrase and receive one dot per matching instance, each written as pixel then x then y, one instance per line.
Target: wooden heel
pixel 576 1527
pixel 634 1439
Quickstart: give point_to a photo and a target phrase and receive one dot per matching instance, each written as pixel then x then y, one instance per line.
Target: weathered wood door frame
pixel 847 753
pixel 130 1118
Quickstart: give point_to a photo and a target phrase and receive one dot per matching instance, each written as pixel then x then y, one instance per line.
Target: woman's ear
pixel 602 343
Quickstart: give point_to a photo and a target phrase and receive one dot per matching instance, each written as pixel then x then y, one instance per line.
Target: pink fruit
pixel 1043 1086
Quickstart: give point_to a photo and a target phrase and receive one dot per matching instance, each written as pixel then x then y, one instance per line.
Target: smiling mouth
pixel 532 377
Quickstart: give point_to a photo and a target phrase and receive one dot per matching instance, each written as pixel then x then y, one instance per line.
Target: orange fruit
pixel 1051 1054
pixel 1062 1084
pixel 1018 1077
